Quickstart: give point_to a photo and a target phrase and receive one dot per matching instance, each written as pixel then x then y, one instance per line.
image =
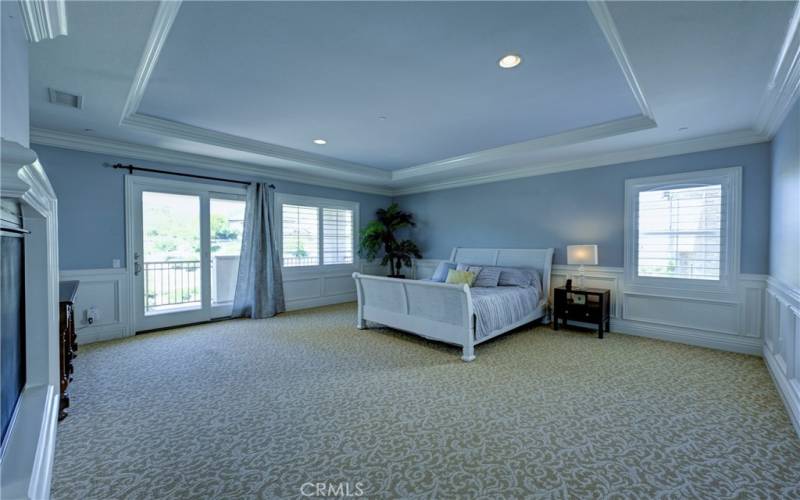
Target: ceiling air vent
pixel 66 99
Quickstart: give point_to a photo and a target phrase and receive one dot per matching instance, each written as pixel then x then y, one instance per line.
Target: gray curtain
pixel 259 284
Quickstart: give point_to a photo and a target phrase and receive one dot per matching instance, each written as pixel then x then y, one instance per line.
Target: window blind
pixel 337 231
pixel 681 232
pixel 300 235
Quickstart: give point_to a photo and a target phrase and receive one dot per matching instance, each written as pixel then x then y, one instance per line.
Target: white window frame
pixel 731 180
pixel 320 203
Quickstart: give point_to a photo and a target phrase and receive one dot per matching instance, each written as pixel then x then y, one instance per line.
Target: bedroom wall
pixel 581 206
pixel 782 307
pixel 15 121
pixel 587 206
pixel 91 202
pixel 785 220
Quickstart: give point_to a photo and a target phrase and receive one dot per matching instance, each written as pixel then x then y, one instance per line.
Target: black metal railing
pixel 172 283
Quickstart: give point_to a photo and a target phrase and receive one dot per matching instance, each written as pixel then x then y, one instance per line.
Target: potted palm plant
pixel 379 236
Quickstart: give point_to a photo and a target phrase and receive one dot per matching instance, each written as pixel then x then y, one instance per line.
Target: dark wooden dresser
pixel 67 339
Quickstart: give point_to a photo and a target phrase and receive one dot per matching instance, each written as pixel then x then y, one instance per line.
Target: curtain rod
pixel 131 168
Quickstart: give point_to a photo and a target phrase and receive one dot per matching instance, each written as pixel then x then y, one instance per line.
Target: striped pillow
pixel 489 277
pixel 510 276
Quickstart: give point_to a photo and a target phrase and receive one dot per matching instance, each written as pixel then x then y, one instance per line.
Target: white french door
pixel 184 240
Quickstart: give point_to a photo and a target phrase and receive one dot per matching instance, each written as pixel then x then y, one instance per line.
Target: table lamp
pixel 582 255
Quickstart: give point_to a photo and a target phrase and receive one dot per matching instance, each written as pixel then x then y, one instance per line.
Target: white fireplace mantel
pixel 27 461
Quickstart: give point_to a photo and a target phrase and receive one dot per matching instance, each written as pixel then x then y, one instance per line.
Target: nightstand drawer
pixel 580 312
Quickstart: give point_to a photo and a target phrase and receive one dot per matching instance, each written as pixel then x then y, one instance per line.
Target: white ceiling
pixel 721 70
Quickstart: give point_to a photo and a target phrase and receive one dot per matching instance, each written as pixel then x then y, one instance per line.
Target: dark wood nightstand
pixel 594 309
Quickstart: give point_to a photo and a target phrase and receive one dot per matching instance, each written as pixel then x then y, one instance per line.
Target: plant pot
pixel 400 276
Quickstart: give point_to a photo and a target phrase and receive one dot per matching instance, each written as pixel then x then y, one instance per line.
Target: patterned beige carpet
pixel 257 409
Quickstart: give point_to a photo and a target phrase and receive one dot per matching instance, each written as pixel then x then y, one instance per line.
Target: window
pixel 680 232
pixel 300 235
pixel 683 230
pixel 317 232
pixel 337 244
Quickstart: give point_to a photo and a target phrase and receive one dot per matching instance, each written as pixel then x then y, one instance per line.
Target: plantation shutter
pixel 337 231
pixel 681 232
pixel 300 235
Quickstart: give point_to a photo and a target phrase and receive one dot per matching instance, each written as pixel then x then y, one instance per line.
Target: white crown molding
pixel 44 19
pixel 606 22
pixel 322 164
pixel 736 138
pixel 577 136
pixel 783 87
pixel 162 23
pixel 91 144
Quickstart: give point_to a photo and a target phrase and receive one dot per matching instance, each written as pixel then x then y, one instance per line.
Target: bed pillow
pixel 456 277
pixel 489 277
pixel 440 274
pixel 469 267
pixel 536 279
pixel 510 276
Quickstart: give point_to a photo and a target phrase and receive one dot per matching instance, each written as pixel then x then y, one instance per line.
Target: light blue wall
pixel 91 203
pixel 582 206
pixel 785 220
pixel 15 121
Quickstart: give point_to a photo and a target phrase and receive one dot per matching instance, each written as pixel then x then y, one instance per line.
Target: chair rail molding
pixel 44 19
pixel 781 325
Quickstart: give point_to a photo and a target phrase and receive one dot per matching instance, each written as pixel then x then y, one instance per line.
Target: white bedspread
pixel 498 307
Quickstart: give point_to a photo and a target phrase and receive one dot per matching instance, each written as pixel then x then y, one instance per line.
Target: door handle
pixel 137 268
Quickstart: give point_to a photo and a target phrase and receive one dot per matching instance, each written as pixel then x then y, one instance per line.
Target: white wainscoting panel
pixel 730 324
pixel 303 289
pixel 107 291
pixel 782 343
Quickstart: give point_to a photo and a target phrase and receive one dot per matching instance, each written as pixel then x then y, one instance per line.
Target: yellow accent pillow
pixel 455 277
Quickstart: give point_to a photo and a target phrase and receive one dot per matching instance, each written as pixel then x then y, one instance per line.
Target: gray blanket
pixel 496 308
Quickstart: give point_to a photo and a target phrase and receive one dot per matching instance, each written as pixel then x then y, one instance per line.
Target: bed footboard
pixel 433 310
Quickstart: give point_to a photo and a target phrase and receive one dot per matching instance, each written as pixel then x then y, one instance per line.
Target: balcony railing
pixel 172 283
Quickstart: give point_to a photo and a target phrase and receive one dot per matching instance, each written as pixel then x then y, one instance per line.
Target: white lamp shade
pixel 582 254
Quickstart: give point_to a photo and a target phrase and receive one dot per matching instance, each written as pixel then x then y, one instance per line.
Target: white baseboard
pixel 294 305
pixel 700 338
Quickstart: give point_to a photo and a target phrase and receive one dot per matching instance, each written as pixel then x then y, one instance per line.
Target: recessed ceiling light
pixel 509 61
pixel 320 141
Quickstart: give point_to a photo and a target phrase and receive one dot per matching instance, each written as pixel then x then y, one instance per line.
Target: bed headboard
pixel 540 259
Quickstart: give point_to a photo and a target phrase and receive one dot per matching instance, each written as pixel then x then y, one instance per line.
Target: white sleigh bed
pixel 444 312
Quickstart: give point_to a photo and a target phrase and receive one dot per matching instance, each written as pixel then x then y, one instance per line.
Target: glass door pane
pixel 227 225
pixel 171 251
